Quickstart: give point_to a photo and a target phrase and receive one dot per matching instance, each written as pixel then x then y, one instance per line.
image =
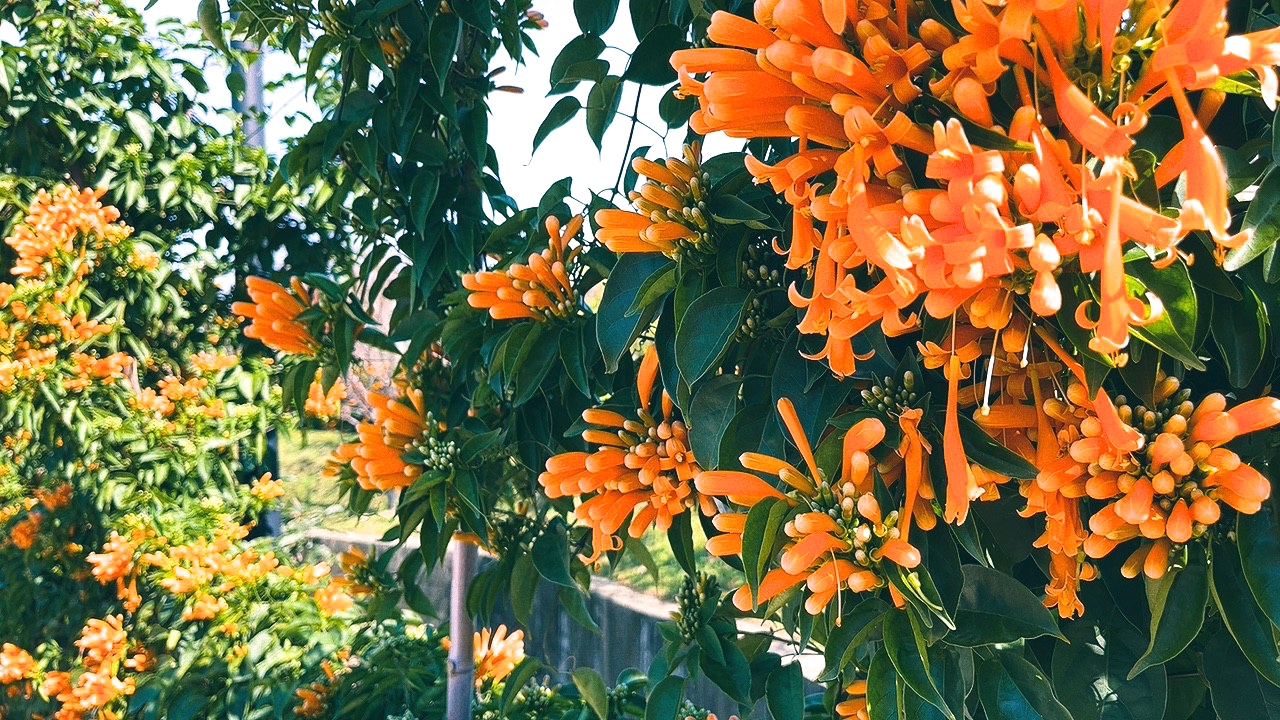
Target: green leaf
pixel 551 554
pixel 578 50
pixel 882 688
pixel 995 608
pixel 602 105
pixel 614 330
pixel 1238 692
pixel 595 16
pixel 759 534
pixel 576 607
pixel 561 113
pixel 1258 539
pixel 680 537
pixel 516 681
pixel 209 15
pixel 1173 331
pixel 710 411
pixel 1246 621
pixel 655 288
pixel 1240 332
pixel 421 195
pixel 664 699
pixel 1089 673
pixel 446 33
pixel 649 64
pixel 784 693
pixel 708 326
pixel 593 690
pixel 524 588
pixel 855 628
pixel 476 14
pixel 141 126
pixel 1012 688
pixel 1263 217
pixel 733 210
pixel 907 652
pixel 983 449
pixel 1177 613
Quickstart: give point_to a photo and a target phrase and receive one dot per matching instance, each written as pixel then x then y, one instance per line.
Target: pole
pixel 462 663
pixel 252 103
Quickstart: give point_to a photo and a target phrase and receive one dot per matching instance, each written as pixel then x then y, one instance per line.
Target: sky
pixel 514 117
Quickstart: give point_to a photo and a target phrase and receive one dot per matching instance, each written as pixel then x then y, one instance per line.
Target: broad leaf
pixel 1258 539
pixel 1177 613
pixel 907 653
pixel 995 608
pixel 593 690
pixel 1012 688
pixel 1238 692
pixel 1246 621
pixel 706 329
pixel 1089 673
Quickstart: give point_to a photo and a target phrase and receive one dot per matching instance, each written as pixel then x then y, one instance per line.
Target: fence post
pixel 461 634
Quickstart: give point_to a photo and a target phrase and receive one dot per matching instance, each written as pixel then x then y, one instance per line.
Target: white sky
pixel 514 117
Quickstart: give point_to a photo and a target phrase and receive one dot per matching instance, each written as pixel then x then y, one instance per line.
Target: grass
pixel 312 500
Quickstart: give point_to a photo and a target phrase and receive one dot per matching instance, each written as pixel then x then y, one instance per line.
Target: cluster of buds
pixel 671 210
pixel 1163 471
pixel 641 462
pixel 890 395
pixel 434 450
pixel 692 604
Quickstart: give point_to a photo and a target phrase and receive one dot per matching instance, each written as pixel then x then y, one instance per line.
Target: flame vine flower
pixel 543 289
pixel 671 210
pixel 835 535
pixel 274 316
pixel 642 465
pixel 401 443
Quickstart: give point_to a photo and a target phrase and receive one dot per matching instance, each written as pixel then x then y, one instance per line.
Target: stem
pixel 461 635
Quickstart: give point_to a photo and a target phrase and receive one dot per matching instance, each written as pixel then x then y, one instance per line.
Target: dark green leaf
pixel 764 521
pixel 680 536
pixel 524 587
pixel 708 326
pixel 577 50
pixel 907 652
pixel 595 16
pixel 995 608
pixel 1013 689
pixel 855 628
pixel 712 409
pixel 733 210
pixel 1177 612
pixel 561 113
pixel 981 448
pixel 551 555
pixel 1246 621
pixel 882 688
pixel 665 698
pixel 1240 331
pixel 1089 673
pixel 1258 538
pixel 650 63
pixel 614 330
pixel 784 693
pixel 602 105
pixel 1263 217
pixel 593 690
pixel 1238 692
pixel 446 32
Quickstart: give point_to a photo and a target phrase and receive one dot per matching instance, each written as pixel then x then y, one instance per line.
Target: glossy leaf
pixel 907 653
pixel 614 330
pixel 664 699
pixel 1089 673
pixel 1246 621
pixel 995 608
pixel 1240 331
pixel 593 690
pixel 763 525
pixel 855 629
pixel 784 693
pixel 882 688
pixel 595 16
pixel 551 555
pixel 602 106
pixel 1177 613
pixel 1263 216
pixel 1010 687
pixel 560 113
pixel 982 449
pixel 707 327
pixel 1258 539
pixel 1238 692
pixel 650 63
pixel 712 409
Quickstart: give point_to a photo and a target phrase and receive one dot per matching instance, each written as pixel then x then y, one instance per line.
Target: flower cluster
pixel 54 225
pixel 325 405
pixel 640 462
pixel 1011 216
pixel 496 651
pixel 541 290
pixel 671 215
pixel 401 443
pixel 274 316
pixel 837 536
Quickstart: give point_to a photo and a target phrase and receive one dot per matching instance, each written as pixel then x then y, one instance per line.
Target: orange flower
pixel 267 489
pixel 643 463
pixel 322 405
pixel 204 607
pixel 541 290
pixel 332 600
pixel 669 204
pixel 854 706
pixel 273 316
pixel 212 362
pixel 102 641
pixel 15 664
pixel 837 536
pixel 116 559
pixel 400 426
pixel 497 653
pixel 53 222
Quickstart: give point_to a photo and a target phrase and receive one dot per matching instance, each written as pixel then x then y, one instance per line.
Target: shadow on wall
pixel 628 623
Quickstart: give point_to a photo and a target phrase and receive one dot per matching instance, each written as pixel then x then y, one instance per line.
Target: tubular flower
pixel 16 664
pixel 541 290
pixel 670 215
pixel 325 405
pixel 497 653
pixel 402 442
pixel 854 704
pixel 881 245
pixel 267 488
pixel 836 536
pixel 273 316
pixel 1163 472
pixel 48 233
pixel 641 463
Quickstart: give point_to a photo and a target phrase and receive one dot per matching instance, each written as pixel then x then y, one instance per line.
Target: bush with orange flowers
pixel 964 356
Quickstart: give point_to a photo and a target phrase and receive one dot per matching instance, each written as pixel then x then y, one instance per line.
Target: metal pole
pixel 252 104
pixel 462 663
